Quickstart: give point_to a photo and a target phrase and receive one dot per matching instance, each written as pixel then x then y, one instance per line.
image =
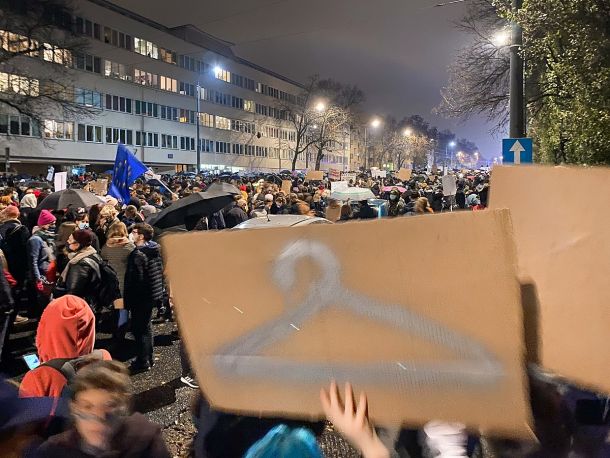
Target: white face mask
pixel 83 225
pixel 393 196
pixel 132 238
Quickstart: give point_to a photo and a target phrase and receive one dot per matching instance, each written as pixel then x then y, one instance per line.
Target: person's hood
pixel 117 241
pixel 29 200
pixel 66 329
pixel 151 249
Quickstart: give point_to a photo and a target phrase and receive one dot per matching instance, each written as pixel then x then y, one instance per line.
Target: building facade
pixel 149 87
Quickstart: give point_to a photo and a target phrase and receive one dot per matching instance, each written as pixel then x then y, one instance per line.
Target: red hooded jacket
pixel 66 330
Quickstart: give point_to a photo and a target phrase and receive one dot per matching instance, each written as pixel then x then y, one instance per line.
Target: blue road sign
pixel 517 151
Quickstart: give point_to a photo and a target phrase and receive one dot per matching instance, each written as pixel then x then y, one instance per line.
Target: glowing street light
pixel 375 123
pixel 407 132
pixel 452 144
pixel 501 38
pixel 320 107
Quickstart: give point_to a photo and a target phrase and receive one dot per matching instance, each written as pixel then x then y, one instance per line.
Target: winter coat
pixel 66 330
pixel 116 252
pixel 144 276
pixel 14 238
pixel 6 297
pixel 40 251
pixel 136 437
pixel 81 277
pixel 234 216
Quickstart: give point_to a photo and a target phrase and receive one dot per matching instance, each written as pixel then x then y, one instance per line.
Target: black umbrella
pixel 197 205
pixel 223 188
pixel 69 198
pixel 274 179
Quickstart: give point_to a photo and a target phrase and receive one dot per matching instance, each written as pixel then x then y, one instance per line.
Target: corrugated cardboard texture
pixel 314 175
pixel 560 217
pixel 453 274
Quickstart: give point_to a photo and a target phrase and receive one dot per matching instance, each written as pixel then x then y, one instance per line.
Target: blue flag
pixel 127 168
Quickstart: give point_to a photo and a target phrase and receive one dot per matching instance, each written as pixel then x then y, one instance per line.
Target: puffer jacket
pixel 83 278
pixel 144 276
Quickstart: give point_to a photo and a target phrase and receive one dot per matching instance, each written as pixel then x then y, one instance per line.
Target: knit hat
pixel 46 217
pixel 29 200
pixel 11 212
pixel 83 237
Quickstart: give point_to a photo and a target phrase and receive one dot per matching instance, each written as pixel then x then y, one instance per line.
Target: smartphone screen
pixel 31 360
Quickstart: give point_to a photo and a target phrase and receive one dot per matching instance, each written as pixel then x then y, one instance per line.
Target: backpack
pixel 108 289
pixel 68 367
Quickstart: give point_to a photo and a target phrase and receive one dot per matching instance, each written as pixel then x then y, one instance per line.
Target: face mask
pixel 393 196
pixel 83 225
pixel 15 196
pixel 132 238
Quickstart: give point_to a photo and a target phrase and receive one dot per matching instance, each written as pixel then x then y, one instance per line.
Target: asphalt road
pixel 159 394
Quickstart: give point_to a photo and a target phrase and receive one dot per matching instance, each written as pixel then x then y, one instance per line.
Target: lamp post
pixel 452 145
pixel 375 123
pixel 516 100
pixel 198 142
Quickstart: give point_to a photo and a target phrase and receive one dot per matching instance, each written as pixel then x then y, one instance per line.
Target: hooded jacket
pixel 137 437
pixel 14 236
pixel 144 276
pixel 66 330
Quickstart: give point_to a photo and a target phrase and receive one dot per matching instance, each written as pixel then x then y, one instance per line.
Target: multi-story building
pixel 150 86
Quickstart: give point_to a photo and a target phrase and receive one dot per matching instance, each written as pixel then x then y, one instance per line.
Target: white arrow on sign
pixel 517 149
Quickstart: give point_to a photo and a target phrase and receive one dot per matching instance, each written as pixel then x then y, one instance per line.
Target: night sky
pixel 397 51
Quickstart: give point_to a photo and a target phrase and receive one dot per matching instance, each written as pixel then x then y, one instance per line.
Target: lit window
pixel 223 123
pixel 222 74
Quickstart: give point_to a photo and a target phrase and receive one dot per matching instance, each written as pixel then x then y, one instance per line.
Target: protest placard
pixel 349 176
pixel 286 186
pixel 334 174
pixel 564 261
pixel 338 185
pixel 376 173
pixel 404 174
pixel 449 185
pixel 310 311
pixel 60 180
pixel 314 175
pixel 99 187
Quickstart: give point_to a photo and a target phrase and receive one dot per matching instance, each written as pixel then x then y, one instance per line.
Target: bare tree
pixel 37 51
pixel 479 77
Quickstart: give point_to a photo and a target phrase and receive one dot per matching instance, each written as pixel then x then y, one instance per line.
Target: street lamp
pixel 320 107
pixel 451 145
pixel 501 38
pixel 375 123
pixel 407 132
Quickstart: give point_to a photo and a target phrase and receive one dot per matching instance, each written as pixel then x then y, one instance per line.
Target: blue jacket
pixel 38 257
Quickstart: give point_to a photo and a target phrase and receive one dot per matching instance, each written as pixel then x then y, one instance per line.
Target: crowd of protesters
pixel 70 268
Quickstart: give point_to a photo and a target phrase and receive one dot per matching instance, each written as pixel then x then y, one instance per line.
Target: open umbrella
pixel 389 188
pixel 223 188
pixel 69 198
pixel 198 204
pixel 355 194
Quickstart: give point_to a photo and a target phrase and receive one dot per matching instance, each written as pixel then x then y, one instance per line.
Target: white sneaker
pixel 190 382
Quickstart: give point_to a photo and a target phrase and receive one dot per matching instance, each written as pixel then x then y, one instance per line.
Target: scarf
pixel 75 258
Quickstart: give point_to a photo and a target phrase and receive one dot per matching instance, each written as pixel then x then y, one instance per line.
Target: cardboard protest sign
pixel 376 173
pixel 334 174
pixel 309 311
pixel 338 185
pixel 349 176
pixel 314 175
pixel 449 185
pixel 60 181
pixel 99 187
pixel 287 186
pixel 564 259
pixel 404 174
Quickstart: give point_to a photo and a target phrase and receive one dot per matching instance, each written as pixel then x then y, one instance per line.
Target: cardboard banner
pixel 311 312
pixel 286 186
pixel 314 175
pixel 349 176
pixel 404 174
pixel 99 187
pixel 60 181
pixel 334 174
pixel 338 185
pixel 449 185
pixel 564 262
